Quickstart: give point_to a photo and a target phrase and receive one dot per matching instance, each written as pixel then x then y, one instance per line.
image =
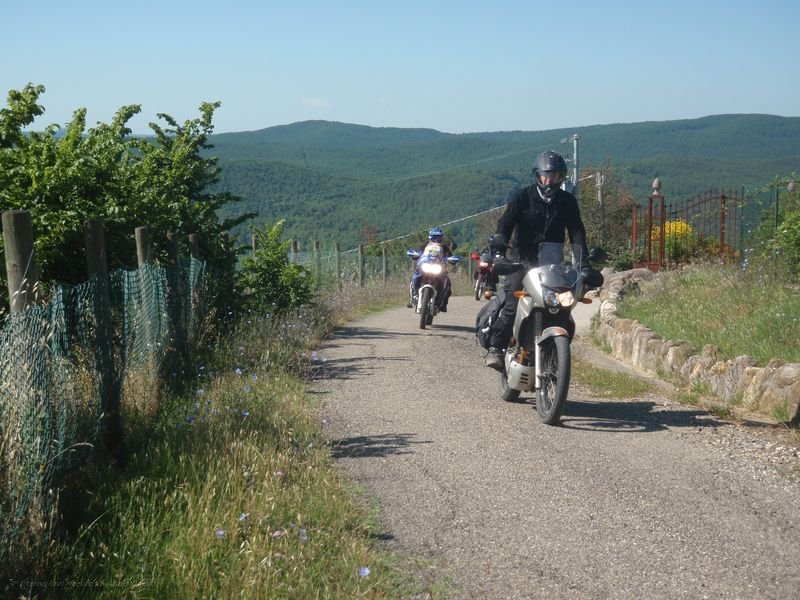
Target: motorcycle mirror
pixel 598 255
pixel 475 256
pixel 412 254
pixel 453 259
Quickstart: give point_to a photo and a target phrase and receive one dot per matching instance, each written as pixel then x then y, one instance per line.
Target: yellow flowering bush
pixel 680 240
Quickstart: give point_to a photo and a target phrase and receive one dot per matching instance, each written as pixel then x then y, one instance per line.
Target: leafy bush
pixel 269 281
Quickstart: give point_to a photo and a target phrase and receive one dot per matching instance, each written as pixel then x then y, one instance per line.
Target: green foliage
pixel 269 282
pixel 66 177
pixel 774 244
pixel 787 241
pixel 607 223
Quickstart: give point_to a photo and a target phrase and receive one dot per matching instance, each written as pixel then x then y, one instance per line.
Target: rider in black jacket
pixel 540 212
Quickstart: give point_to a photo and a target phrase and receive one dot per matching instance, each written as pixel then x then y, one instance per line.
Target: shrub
pixel 269 281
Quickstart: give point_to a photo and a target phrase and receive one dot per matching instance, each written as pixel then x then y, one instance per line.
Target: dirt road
pixel 633 498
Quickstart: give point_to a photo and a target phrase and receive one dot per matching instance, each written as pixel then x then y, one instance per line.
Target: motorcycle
pixel 483 273
pixel 538 356
pixel 433 283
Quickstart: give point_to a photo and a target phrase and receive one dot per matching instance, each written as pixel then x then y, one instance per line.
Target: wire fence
pixel 62 368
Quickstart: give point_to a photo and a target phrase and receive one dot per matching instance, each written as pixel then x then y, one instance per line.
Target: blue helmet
pixel 436 235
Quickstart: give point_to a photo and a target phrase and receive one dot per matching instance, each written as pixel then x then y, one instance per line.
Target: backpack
pixel 486 317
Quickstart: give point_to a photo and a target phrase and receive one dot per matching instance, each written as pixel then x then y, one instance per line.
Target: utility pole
pixel 599 180
pixel 574 139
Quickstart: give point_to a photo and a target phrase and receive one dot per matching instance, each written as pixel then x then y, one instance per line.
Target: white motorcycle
pixel 538 356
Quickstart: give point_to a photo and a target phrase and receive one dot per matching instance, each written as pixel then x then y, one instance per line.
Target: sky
pixel 457 67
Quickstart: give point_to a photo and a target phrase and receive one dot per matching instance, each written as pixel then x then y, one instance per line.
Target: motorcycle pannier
pixel 486 317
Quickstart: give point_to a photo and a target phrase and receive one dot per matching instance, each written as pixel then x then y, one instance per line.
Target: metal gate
pixel 666 234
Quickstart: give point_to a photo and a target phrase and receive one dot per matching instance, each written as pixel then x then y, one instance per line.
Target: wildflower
pixel 246 389
pixel 254 377
pixel 245 413
pixel 219 533
pixel 303 535
pixel 278 533
pixel 238 371
pixel 279 473
pixel 200 392
pixel 190 418
pixel 363 571
pixel 243 516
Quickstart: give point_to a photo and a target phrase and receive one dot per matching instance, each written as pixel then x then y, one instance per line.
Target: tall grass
pixel 230 490
pixel 740 311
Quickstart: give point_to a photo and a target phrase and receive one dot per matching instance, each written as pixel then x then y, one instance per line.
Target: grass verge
pixel 741 312
pixel 231 491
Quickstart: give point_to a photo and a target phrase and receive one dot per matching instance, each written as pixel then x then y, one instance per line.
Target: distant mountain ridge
pixel 334 181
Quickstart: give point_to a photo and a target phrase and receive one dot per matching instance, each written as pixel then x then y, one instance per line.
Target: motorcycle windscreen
pixel 558 276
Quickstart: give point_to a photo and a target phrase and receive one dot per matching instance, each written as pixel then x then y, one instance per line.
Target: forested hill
pixel 342 182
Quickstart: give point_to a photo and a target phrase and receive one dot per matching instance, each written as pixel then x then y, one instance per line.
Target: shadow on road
pixel 368 333
pixel 437 326
pixel 625 416
pixel 374 446
pixel 348 368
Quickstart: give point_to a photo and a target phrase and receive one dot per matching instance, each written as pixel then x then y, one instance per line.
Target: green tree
pixel 608 222
pixel 65 177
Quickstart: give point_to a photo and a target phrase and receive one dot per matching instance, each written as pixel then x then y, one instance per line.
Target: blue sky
pixel 452 66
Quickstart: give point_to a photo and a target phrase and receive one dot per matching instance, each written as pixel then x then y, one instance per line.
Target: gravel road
pixel 637 498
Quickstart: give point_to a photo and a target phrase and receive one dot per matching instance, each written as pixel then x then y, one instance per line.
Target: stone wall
pixel 769 391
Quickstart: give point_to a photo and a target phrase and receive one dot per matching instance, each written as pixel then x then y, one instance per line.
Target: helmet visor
pixel 551 177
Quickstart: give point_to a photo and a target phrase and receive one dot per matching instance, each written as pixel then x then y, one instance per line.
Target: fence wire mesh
pixel 62 365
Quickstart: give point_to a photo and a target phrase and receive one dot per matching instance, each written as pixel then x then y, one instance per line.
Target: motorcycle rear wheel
pixel 425 318
pixel 552 396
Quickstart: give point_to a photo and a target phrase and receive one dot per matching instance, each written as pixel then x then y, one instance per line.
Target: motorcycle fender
pixel 419 294
pixel 524 309
pixel 552 332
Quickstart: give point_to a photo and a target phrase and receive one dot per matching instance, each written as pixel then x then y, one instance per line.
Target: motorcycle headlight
pixel 484 264
pixel 566 299
pixel 551 298
pixel 558 299
pixel 431 268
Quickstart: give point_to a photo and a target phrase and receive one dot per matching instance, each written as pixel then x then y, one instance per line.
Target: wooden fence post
pixel 142 245
pixel 194 246
pixel 337 249
pixel 385 266
pixel 295 251
pixel 20 259
pixel 317 262
pixel 96 263
pixel 97 269
pixel 177 294
pixel 361 265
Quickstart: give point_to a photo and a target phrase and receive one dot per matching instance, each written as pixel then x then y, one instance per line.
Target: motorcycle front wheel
pixel 425 316
pixel 479 285
pixel 552 396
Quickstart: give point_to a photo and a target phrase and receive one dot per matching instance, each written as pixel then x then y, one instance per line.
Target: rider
pixel 493 278
pixel 435 244
pixel 540 212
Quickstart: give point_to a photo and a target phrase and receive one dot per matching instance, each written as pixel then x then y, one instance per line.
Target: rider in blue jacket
pixel 435 242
